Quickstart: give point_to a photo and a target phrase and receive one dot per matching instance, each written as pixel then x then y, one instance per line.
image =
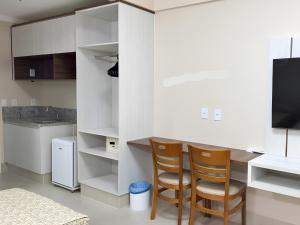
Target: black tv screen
pixel 286 93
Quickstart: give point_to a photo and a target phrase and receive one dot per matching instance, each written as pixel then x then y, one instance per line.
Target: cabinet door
pixel 23 40
pixel 63 35
pixel 45 37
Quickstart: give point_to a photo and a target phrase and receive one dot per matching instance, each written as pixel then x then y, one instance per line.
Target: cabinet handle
pixel 60 148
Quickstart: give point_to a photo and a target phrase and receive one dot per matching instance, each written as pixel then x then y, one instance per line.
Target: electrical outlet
pixel 3 102
pixel 204 113
pixel 33 102
pixel 31 72
pixel 218 115
pixel 14 102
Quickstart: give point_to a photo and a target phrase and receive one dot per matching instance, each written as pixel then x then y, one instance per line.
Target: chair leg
pixel 244 209
pixel 207 204
pixel 176 196
pixel 154 202
pixel 180 203
pixel 225 218
pixel 194 199
pixel 226 212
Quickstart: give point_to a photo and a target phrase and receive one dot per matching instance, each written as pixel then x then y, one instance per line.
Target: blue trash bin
pixel 139 195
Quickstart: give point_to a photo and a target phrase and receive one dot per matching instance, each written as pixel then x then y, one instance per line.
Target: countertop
pixel 36 123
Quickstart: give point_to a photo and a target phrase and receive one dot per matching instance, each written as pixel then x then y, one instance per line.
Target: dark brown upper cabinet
pixel 45 67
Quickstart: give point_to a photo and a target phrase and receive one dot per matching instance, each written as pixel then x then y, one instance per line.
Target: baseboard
pixel 41 178
pixel 105 197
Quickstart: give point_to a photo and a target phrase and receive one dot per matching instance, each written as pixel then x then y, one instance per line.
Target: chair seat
pixel 219 188
pixel 173 178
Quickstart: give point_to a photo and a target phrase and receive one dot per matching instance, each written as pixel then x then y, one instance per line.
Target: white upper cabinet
pixel 45 37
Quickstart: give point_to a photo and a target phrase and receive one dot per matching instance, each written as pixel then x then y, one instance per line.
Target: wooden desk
pixel 238 157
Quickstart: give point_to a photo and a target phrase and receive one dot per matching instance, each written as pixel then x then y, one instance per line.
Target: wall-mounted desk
pixel 238 157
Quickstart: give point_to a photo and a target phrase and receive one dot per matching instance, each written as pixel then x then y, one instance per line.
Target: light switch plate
pixel 204 113
pixel 3 102
pixel 218 115
pixel 31 72
pixel 14 102
pixel 33 102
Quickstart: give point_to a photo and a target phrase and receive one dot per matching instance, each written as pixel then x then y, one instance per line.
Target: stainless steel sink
pixel 38 121
pixel 46 121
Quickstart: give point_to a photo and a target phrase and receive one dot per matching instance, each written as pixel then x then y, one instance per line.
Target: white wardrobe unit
pixel 120 108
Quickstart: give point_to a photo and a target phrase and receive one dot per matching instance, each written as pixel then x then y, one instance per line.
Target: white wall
pixel 57 93
pixel 168 4
pixel 149 4
pixel 158 5
pixel 226 43
pixel 228 39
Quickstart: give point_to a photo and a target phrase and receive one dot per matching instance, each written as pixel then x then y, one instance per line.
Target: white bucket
pixel 140 202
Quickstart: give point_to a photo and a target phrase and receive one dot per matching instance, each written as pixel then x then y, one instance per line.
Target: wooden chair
pixel 211 181
pixel 169 174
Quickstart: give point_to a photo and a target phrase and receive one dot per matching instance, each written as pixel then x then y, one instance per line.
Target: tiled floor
pixel 101 214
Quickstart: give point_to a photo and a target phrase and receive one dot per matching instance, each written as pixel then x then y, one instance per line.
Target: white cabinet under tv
pixel 275 174
pixel 117 107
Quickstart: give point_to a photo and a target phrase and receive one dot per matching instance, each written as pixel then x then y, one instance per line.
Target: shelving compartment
pixel 95 145
pixel 97 96
pixel 274 174
pixel 98 168
pixel 98 172
pixel 97 25
pixel 98 93
pixel 45 67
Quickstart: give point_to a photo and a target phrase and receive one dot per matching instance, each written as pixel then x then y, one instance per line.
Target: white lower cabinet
pixel 30 148
pixel 275 174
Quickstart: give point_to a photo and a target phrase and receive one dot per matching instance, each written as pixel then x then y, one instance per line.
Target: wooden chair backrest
pixel 167 157
pixel 210 165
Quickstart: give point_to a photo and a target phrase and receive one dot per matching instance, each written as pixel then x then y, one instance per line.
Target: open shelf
pixel 106 132
pixel 108 13
pixel 108 48
pixel 278 183
pixel 275 174
pixel 100 152
pixel 107 183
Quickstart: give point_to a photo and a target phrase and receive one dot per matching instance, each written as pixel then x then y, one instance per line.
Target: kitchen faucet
pixel 53 109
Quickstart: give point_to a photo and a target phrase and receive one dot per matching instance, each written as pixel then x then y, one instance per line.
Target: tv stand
pixel 275 174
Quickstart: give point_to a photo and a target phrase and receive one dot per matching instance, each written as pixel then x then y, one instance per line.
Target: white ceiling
pixel 24 10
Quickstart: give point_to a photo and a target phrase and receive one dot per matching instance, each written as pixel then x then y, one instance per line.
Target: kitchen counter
pixel 38 116
pixel 37 123
pixel 28 132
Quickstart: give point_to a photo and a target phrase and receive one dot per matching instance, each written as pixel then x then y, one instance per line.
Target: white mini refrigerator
pixel 64 163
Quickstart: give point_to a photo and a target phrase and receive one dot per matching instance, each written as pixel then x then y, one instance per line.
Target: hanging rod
pixel 108 58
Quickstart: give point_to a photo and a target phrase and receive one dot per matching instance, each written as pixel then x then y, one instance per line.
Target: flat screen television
pixel 286 93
